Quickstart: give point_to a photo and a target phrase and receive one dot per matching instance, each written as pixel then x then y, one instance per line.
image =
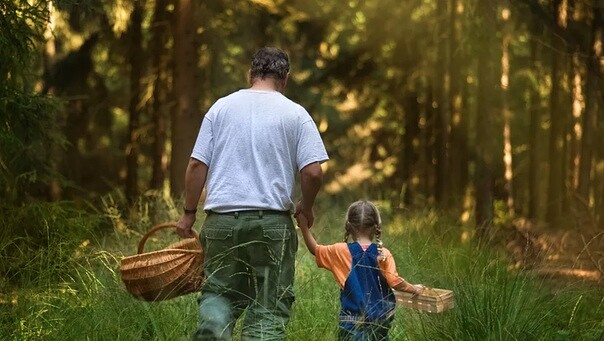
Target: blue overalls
pixel 367 300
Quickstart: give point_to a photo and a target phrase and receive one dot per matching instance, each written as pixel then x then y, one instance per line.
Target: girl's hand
pixel 302 221
pixel 309 240
pixel 418 289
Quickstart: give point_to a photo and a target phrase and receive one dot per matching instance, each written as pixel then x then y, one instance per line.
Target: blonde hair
pixel 363 215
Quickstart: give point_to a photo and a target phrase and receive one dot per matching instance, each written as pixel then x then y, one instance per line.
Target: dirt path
pixel 572 255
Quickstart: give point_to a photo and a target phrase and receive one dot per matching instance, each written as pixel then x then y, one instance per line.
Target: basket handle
pixel 141 244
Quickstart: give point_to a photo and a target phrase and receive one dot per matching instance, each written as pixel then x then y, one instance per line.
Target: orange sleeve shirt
pixel 337 259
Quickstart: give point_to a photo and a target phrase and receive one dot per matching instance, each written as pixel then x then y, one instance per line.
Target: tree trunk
pixel 428 141
pixel 534 126
pixel 160 90
pixel 410 138
pixel 48 58
pixel 458 154
pixel 441 123
pixel 507 139
pixel 136 56
pixel 590 115
pixel 186 116
pixel 556 141
pixel 575 133
pixel 488 91
pixel 598 182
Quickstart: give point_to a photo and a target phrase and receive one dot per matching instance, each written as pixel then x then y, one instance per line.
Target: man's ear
pixel 282 83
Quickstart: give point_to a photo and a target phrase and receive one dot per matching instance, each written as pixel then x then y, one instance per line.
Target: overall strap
pixel 356 249
pixel 366 293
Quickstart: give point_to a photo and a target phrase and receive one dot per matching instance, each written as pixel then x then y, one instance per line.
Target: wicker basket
pixel 431 300
pixel 164 274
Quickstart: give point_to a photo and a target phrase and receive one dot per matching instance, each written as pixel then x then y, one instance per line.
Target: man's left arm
pixel 311 179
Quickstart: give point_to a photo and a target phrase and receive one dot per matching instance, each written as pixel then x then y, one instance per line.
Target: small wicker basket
pixel 160 275
pixel 431 300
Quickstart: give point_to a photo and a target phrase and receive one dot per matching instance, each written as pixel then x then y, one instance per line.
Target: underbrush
pixel 39 241
pixel 493 301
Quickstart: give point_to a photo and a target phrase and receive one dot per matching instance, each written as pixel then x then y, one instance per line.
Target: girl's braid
pixel 380 245
pixel 347 233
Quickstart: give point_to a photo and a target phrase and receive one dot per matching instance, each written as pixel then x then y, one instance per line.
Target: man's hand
pixel 184 226
pixel 307 213
pixel 195 179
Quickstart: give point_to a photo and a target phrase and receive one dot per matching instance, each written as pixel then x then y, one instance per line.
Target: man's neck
pixel 267 84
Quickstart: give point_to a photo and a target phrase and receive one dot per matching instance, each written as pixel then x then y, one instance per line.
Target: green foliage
pixel 27 120
pixel 363 69
pixel 316 309
pixel 151 208
pixel 93 305
pixel 495 303
pixel 492 301
pixel 41 241
pixel 21 26
pixel 28 132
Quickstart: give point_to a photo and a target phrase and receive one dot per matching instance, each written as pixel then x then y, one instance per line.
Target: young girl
pixel 365 272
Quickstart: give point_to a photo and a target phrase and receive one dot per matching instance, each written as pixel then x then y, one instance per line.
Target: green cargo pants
pixel 249 263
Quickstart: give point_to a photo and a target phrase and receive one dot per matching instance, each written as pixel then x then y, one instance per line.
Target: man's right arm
pixel 311 179
pixel 195 180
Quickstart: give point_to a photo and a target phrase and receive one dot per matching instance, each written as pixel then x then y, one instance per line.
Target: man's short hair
pixel 269 62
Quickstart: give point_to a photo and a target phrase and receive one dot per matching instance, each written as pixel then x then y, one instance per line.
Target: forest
pixel 476 125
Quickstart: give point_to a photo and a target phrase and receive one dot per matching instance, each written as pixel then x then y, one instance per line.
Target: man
pixel 250 146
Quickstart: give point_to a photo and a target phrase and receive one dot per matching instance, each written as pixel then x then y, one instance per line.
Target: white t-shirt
pixel 254 142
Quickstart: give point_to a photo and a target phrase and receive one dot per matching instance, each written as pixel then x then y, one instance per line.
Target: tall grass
pixel 493 302
pixel 40 239
pixel 94 306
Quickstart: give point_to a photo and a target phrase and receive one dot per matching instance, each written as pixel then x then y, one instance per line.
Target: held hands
pixel 184 226
pixel 309 240
pixel 302 221
pixel 306 213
